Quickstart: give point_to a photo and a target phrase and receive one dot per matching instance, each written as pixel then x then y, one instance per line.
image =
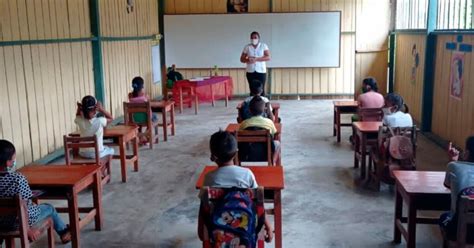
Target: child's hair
pixel 470 148
pixel 256 106
pixel 256 87
pixel 223 146
pixel 370 81
pixel 88 105
pixel 396 100
pixel 7 149
pixel 137 85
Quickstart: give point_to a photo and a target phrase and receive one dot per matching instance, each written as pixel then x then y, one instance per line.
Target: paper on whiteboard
pixel 156 63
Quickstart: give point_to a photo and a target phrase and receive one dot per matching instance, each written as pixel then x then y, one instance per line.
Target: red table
pixel 420 190
pixel 361 130
pixel 217 87
pixel 272 179
pixel 342 107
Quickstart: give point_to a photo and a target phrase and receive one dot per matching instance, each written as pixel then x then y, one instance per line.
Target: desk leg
pixel 97 198
pixel 338 120
pixel 397 235
pixel 196 103
pixel 226 95
pixel 165 124
pixel 135 153
pixel 212 95
pixel 123 161
pixel 74 218
pixel 278 220
pixel 363 148
pixel 356 139
pixel 172 120
pixel 180 100
pixel 334 123
pixel 411 239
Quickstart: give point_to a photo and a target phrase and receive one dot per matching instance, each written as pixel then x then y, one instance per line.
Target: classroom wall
pixel 409 87
pixel 307 81
pixel 123 60
pixel 453 118
pixel 40 82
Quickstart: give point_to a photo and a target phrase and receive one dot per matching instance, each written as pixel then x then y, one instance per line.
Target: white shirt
pixel 265 100
pixel 90 127
pixel 257 52
pixel 231 176
pixel 398 119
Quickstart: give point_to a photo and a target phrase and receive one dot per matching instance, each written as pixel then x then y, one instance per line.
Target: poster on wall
pixel 456 78
pixel 237 6
pixel 156 64
pixel 415 63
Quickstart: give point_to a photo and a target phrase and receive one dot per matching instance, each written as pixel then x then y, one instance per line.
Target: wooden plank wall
pixel 411 90
pixel 313 81
pixel 453 119
pixel 41 83
pixel 123 60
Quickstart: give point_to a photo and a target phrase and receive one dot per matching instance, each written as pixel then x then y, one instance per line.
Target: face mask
pixel 387 111
pixel 12 168
pixel 254 41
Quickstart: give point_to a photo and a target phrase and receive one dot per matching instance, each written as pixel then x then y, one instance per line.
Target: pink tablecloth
pixel 221 86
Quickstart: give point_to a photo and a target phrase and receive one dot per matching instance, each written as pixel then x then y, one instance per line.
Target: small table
pixel 120 136
pixel 275 108
pixel 362 129
pixel 65 182
pixel 272 179
pixel 342 107
pixel 202 88
pixel 165 107
pixel 234 127
pixel 420 190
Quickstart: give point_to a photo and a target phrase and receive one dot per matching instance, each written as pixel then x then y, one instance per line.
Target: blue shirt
pixel 459 175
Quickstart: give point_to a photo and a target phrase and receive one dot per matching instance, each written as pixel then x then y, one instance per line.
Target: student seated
pixel 90 123
pixel 223 146
pixel 370 98
pixel 257 107
pixel 393 112
pixel 460 179
pixel 13 183
pixel 256 89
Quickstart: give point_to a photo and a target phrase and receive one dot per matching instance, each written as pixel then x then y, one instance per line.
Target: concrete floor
pixel 322 206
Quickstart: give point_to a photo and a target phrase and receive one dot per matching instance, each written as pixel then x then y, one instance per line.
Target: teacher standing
pixel 254 55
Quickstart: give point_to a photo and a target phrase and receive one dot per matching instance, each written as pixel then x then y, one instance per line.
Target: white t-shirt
pixel 231 176
pixel 398 119
pixel 265 100
pixel 90 127
pixel 259 66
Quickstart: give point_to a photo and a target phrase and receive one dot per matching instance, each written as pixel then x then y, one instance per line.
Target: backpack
pixel 399 152
pixel 234 221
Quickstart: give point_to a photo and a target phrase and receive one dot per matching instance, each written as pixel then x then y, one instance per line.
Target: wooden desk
pixel 361 130
pixel 420 190
pixel 121 135
pixel 275 108
pixel 234 127
pixel 65 182
pixel 165 107
pixel 201 89
pixel 342 107
pixel 272 179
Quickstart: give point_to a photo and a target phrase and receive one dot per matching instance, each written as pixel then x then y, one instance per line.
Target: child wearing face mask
pixel 393 114
pixel 13 183
pixel 460 179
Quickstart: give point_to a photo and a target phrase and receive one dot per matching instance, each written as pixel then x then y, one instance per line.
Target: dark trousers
pixel 262 77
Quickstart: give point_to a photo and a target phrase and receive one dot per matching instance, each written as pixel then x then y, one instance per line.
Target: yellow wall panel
pixel 452 118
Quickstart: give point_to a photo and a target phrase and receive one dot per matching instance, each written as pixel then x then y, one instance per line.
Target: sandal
pixel 66 236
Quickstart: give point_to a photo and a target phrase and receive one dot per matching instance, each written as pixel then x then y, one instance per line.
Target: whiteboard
pixel 308 39
pixel 156 64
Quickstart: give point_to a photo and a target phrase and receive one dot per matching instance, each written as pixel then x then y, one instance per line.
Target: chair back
pixel 254 144
pixel 210 196
pixel 137 113
pixel 74 143
pixel 465 219
pixel 370 114
pixel 15 208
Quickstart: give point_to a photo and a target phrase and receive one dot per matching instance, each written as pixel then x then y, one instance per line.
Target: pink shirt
pixel 138 99
pixel 371 100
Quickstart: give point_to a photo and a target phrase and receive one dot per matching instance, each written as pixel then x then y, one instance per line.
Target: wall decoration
pixel 416 62
pixel 237 6
pixel 456 77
